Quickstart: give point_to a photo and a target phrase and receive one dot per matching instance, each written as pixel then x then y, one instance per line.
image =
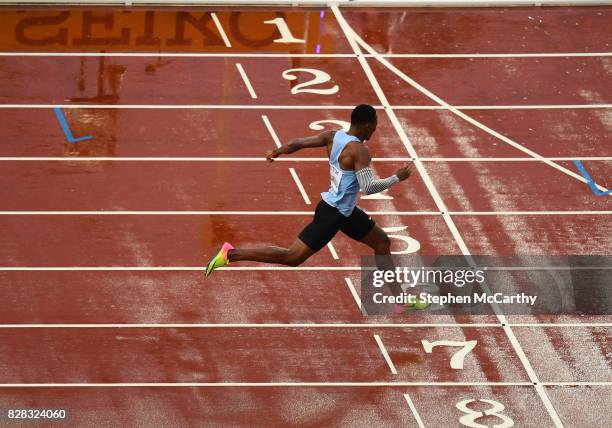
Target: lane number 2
pixel 320 77
pixel 316 125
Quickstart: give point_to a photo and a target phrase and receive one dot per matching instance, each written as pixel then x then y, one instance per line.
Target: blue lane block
pixel 589 180
pixel 59 114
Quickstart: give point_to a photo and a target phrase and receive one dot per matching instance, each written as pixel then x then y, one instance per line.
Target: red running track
pixel 183 240
pixel 30 354
pixel 186 186
pixel 171 297
pixel 194 81
pixel 176 132
pixel 550 133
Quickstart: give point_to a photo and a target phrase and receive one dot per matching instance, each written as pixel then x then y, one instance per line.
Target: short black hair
pixel 362 114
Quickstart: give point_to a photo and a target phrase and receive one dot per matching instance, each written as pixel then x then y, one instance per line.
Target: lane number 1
pixel 285 32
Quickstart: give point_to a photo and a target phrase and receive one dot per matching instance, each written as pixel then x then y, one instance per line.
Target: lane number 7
pixel 456 361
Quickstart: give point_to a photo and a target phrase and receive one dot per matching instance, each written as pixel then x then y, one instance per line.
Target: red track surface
pixel 153 344
pixel 459 81
pixel 552 133
pixel 176 133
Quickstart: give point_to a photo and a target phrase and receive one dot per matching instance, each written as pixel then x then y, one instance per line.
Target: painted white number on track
pixel 316 126
pixel 469 419
pixel 412 245
pixel 456 361
pixel 319 78
pixel 285 32
pixel 378 196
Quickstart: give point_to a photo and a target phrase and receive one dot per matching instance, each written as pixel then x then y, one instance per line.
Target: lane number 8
pixel 469 419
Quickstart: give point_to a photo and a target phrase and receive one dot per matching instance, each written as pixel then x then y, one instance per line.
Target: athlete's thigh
pixel 377 239
pixel 324 226
pixel 299 251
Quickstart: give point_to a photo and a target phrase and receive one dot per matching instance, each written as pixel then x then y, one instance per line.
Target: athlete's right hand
pixel 403 173
pixel 271 155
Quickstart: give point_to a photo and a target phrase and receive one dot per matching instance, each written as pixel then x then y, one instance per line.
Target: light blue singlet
pixel 343 187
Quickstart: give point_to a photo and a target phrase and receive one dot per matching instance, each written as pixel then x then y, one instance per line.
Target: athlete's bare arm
pixel 361 157
pixel 321 140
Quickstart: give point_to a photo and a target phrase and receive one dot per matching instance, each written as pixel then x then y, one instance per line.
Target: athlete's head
pixel 364 119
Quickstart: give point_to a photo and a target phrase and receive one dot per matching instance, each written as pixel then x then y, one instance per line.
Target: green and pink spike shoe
pixel 220 259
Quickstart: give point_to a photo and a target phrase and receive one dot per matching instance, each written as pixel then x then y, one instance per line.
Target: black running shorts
pixel 328 221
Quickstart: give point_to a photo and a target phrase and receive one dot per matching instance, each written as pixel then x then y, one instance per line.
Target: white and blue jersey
pixel 343 189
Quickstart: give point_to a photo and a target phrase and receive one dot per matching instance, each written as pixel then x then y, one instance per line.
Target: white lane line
pixel 305 325
pixel 299 213
pixel 180 54
pixel 353 290
pixel 287 159
pixel 548 404
pixel 238 268
pixel 299 185
pixel 220 29
pixel 266 122
pixel 354 40
pixel 414 411
pixel 526 213
pixel 332 250
pixel 563 324
pixel 247 325
pixel 246 80
pixel 497 55
pixel 263 384
pixel 545 268
pixel 183 106
pixel 177 268
pixel 303 107
pixel 385 354
pixel 576 384
pixel 194 159
pixel 287 384
pixel 514 107
pixel 187 213
pixel 300 55
pixel 517 159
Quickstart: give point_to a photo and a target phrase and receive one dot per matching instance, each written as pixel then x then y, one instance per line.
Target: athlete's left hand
pixel 403 173
pixel 271 155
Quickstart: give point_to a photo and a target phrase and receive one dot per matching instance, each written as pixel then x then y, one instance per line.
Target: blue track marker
pixel 589 180
pixel 62 120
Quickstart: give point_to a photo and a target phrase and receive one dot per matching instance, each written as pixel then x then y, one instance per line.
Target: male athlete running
pixel 350 170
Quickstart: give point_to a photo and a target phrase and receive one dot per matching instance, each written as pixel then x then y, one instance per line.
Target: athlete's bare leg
pixel 295 255
pixel 378 241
